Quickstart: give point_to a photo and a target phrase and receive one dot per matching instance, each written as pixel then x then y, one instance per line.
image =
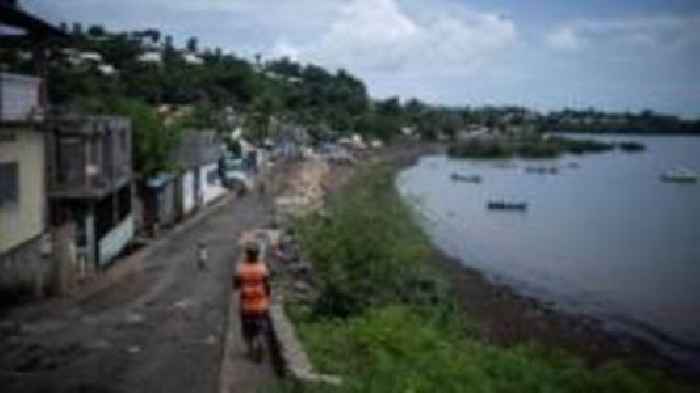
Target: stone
pixel 302 286
pixel 99 344
pixel 133 318
pixel 301 267
pixel 183 304
pixel 210 340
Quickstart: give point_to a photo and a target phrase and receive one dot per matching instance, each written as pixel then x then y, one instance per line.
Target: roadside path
pixel 159 331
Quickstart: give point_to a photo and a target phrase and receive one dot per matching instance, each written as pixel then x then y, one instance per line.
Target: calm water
pixel 608 239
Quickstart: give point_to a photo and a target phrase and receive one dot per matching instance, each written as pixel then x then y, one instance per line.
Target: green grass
pixel 387 321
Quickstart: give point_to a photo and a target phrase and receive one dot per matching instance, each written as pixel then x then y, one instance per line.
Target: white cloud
pixel 564 38
pixel 379 36
pixel 652 32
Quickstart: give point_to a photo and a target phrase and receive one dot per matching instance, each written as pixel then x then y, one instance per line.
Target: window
pixel 9 183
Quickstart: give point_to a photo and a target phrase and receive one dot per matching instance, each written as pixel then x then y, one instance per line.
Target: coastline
pixel 507 318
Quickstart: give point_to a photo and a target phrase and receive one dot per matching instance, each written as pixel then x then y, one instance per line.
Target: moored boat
pixel 542 170
pixel 466 178
pixel 504 205
pixel 680 175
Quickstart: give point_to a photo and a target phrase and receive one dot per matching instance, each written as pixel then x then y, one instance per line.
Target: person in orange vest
pixel 252 279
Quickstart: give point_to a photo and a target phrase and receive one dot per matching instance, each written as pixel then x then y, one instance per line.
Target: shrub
pixel 365 254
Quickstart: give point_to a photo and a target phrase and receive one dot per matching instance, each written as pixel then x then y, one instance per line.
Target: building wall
pixel 166 204
pixel 23 220
pixel 188 195
pixel 19 267
pixel 114 242
pixel 211 182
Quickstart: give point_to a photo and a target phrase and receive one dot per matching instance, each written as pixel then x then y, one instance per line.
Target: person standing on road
pixel 252 278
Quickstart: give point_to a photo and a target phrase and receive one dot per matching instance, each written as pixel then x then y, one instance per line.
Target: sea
pixel 603 236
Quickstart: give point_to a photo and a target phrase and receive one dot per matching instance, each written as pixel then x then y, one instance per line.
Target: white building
pixel 107 69
pixel 192 59
pixel 151 58
pixel 91 57
pixel 408 131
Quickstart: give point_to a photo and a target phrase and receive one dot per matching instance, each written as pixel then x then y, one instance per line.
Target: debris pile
pixel 304 192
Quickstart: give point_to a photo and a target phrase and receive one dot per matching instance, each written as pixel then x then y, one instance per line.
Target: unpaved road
pixel 160 331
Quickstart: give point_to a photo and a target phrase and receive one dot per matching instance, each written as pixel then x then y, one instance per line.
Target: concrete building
pixel 22 181
pixel 23 203
pixel 152 57
pixel 192 59
pixel 90 183
pixel 199 182
pixel 158 194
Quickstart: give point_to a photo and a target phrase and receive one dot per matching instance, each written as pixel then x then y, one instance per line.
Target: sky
pixel 545 54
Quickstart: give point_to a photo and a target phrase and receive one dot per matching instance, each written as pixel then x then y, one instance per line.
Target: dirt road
pixel 160 331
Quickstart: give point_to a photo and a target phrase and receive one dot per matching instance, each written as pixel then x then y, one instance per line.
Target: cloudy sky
pixel 546 54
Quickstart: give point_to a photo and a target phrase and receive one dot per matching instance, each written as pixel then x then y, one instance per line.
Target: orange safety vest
pixel 252 276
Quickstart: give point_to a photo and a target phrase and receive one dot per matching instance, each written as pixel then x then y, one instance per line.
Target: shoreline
pixel 507 318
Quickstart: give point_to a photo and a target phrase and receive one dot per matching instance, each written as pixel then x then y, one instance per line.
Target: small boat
pixel 680 175
pixel 504 165
pixel 542 170
pixel 574 165
pixel 536 169
pixel 466 178
pixel 503 205
pixel 631 146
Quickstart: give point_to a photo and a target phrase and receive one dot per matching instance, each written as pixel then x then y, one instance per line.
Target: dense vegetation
pixel 535 147
pixel 386 320
pixel 593 121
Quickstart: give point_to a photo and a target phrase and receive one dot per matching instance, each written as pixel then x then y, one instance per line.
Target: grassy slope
pixel 386 320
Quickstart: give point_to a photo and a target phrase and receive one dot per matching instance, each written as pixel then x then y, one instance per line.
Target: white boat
pixel 680 175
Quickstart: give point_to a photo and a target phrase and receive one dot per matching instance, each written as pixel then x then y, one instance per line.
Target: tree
pixel 154 34
pixel 96 31
pixel 152 141
pixel 259 119
pixel 192 44
pixel 391 106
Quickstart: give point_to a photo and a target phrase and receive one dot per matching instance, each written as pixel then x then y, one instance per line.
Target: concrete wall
pixel 23 220
pixel 166 202
pixel 187 192
pixel 19 267
pixel 114 242
pixel 211 182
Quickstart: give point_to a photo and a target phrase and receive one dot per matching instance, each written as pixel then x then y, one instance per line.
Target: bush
pixel 397 349
pixel 580 146
pixel 365 254
pixel 531 148
pixel 481 149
